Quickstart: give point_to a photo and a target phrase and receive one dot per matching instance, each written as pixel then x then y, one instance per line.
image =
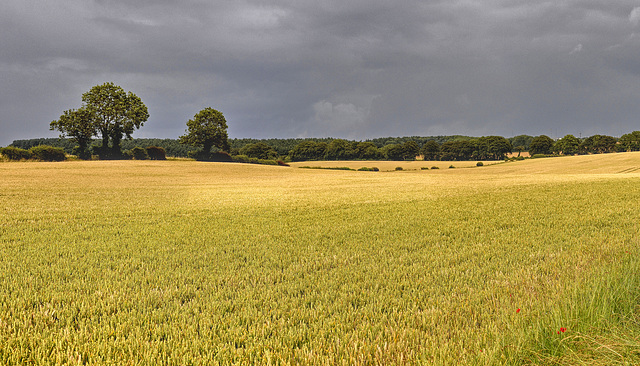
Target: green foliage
pixel 630 141
pixel 451 167
pixel 79 125
pixel 326 168
pixel 367 151
pixel 139 153
pixel 541 145
pixel 259 150
pixel 15 153
pixel 394 152
pixel 398 168
pixel 479 163
pixel 208 129
pixel 492 148
pixel 434 167
pixel 430 150
pixel 538 156
pixel 410 150
pixel 156 153
pixel 339 150
pixel 115 114
pixel 424 168
pixel 568 145
pixel 597 144
pixel 457 150
pixel 521 142
pixel 308 150
pixel 365 169
pixel 250 160
pixel 47 153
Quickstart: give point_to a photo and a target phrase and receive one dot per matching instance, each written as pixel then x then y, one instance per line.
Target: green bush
pixel 250 160
pixel 156 153
pixel 139 153
pixel 48 153
pixel 434 167
pixel 365 169
pixel 479 163
pixel 451 167
pixel 15 153
pixel 398 168
pixel 424 168
pixel 538 156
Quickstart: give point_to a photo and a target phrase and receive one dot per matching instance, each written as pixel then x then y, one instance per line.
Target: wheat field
pixel 190 263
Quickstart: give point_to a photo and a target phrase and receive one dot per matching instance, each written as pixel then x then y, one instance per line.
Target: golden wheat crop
pixel 183 262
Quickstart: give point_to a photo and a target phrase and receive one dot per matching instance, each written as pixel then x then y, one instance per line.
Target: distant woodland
pixel 455 147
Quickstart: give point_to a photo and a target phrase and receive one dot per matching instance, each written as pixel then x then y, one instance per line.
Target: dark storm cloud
pixel 353 69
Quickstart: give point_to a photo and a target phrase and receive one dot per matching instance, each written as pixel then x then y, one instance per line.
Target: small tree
pixel 77 124
pixel 156 153
pixel 208 129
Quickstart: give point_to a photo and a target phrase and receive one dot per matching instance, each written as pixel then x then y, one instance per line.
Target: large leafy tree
pixel 567 145
pixel 630 141
pixel 77 124
pixel 493 147
pixel 541 145
pixel 431 150
pixel 107 111
pixel 207 129
pixel 115 113
pixel 598 144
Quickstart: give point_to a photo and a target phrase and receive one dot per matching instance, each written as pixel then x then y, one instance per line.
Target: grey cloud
pixel 355 69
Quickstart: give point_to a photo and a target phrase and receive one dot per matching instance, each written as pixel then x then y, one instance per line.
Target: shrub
pixel 48 153
pixel 365 169
pixel 424 168
pixel 15 153
pixel 451 167
pixel 479 163
pixel 538 156
pixel 434 167
pixel 156 153
pixel 139 153
pixel 250 160
pixel 398 168
pixel 126 155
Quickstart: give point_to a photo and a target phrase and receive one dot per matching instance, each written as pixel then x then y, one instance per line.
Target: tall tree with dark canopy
pixel 207 129
pixel 115 114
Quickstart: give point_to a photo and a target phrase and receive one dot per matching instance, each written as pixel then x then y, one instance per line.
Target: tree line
pixel 104 124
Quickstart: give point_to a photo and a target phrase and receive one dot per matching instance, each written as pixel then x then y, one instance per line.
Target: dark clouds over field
pixel 340 68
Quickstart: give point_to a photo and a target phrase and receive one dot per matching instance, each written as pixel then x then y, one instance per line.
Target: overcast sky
pixel 354 69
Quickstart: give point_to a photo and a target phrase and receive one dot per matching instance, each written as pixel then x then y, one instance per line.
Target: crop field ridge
pixel 532 262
